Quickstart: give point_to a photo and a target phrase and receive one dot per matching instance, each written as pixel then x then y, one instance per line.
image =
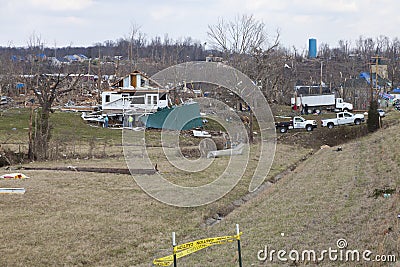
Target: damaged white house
pixel 136 95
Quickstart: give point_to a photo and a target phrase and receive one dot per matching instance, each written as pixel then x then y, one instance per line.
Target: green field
pixel 15 124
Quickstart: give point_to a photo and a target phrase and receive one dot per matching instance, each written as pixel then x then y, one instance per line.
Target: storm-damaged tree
pixel 238 39
pixel 47 88
pixel 240 36
pixel 245 45
pixel 48 83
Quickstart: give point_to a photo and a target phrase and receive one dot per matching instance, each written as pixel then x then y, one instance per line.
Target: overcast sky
pixel 85 22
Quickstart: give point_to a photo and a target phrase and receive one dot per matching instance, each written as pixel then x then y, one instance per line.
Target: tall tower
pixel 312 48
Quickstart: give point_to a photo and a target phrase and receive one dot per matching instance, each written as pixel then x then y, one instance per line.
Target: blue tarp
pixel 386 96
pixel 71 58
pixel 365 75
pixel 20 85
pixel 41 56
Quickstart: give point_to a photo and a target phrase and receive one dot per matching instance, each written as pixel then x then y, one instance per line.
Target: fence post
pixel 239 251
pixel 173 245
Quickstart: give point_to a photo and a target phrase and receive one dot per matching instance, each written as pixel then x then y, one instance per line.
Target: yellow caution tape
pixel 162 263
pixel 212 240
pixel 168 260
pixel 191 247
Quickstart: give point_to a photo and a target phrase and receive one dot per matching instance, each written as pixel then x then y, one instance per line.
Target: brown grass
pixel 326 198
pixel 76 219
pixel 71 218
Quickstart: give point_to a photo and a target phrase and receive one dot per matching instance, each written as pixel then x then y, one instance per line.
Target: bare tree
pixel 394 65
pixel 35 43
pixel 324 51
pixel 134 30
pixel 244 42
pixel 46 89
pixel 240 36
pixel 344 49
pixel 382 44
pixel 365 47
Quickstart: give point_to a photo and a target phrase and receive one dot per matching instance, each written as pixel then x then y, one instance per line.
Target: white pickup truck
pixel 343 118
pixel 296 122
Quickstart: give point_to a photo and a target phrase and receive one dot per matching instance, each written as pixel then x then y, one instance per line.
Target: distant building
pixel 76 58
pixel 81 57
pixel 16 58
pixel 71 58
pixel 382 68
pixel 57 62
pixel 212 58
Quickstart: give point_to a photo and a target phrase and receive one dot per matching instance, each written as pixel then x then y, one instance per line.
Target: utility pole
pixel 99 73
pixel 376 74
pixel 55 49
pixel 320 83
pixel 371 83
pixel 88 76
pixel 377 58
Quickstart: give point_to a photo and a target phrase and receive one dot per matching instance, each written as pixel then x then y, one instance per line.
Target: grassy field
pixel 71 136
pixel 70 218
pixel 15 124
pixel 328 197
pixel 87 219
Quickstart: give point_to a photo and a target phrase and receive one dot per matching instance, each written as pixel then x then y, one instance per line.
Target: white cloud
pixel 61 5
pixel 83 21
pixel 321 7
pixel 162 13
pixel 73 20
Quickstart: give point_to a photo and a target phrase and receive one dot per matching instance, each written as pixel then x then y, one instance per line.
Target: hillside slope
pixel 333 195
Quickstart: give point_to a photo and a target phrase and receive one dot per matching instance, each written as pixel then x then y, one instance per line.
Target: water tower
pixel 312 48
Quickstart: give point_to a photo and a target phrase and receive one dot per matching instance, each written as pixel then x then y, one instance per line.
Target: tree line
pixel 243 43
